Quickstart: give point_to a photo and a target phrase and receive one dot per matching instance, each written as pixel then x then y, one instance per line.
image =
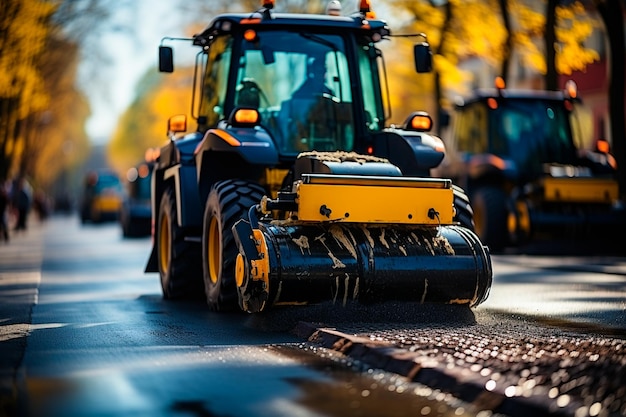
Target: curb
pixel 463 383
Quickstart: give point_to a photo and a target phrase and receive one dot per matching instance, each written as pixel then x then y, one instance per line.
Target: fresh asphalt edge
pixel 464 384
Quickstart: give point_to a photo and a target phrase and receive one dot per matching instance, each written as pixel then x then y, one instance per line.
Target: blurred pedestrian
pixel 21 200
pixel 41 205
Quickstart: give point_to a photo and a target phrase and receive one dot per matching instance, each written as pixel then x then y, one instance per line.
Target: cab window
pixel 301 86
pixel 472 129
pixel 374 118
pixel 216 80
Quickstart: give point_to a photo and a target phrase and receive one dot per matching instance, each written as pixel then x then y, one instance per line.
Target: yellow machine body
pixel 366 239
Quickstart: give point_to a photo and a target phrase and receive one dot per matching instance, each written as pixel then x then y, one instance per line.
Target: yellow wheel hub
pixel 214 250
pixel 164 243
pixel 240 270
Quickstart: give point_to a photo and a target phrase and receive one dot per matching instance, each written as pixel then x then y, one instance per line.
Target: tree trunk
pixel 8 132
pixel 438 94
pixel 549 36
pixel 506 56
pixel 612 12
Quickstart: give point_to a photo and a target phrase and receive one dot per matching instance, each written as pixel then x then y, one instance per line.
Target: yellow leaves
pixel 27 29
pixel 532 55
pixel 42 115
pixel 530 22
pixel 144 124
pixel 571 11
pixel 452 77
pixel 430 18
pixel 36 97
pixel 574 28
pixel 573 57
pixel 479 30
pixel 476 29
pixel 473 28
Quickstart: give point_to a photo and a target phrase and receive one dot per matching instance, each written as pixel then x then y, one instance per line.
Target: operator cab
pixel 306 100
pixel 523 129
pixel 300 82
pixel 315 87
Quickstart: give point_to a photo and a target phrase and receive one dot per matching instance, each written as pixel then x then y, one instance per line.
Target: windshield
pixel 308 92
pixel 532 132
pixel 108 183
pixel 301 85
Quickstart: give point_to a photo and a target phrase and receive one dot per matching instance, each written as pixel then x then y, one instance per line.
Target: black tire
pixel 228 202
pixel 490 216
pixel 464 212
pixel 179 261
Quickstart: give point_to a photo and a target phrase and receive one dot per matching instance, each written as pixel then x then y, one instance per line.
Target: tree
pixel 57 141
pixel 612 13
pixel 463 30
pixel 24 28
pixel 456 30
pixel 508 43
pixel 42 112
pixel 550 42
pixel 439 52
pixel 144 124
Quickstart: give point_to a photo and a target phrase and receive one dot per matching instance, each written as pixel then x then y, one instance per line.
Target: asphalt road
pixel 89 334
pixel 548 341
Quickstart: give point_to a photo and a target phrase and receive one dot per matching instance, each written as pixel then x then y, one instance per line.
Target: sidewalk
pixel 20 273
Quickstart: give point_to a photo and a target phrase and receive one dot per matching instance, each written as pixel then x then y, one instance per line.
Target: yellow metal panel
pixel 584 190
pixel 106 204
pixel 274 178
pixel 374 204
pixel 376 180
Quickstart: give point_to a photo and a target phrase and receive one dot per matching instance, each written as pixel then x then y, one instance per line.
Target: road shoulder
pixel 20 275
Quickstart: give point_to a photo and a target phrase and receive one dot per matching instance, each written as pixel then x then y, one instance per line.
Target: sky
pixel 130 52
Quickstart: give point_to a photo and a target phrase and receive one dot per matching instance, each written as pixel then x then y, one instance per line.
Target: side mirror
pixel 166 59
pixel 423 57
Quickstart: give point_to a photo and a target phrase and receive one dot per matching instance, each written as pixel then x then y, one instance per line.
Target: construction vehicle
pixel 136 211
pixel 102 196
pixel 280 199
pixel 528 169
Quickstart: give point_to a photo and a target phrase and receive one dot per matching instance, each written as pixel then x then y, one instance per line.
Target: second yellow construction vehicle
pixel 520 156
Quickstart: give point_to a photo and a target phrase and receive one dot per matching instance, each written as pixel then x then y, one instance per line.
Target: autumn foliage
pixel 144 124
pixel 41 112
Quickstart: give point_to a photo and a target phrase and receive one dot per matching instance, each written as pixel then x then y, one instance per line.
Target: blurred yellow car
pixel 102 197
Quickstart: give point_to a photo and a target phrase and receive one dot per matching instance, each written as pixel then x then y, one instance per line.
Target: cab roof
pixel 483 94
pixel 226 23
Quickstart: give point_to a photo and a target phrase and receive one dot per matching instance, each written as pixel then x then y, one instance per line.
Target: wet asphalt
pixel 497 363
